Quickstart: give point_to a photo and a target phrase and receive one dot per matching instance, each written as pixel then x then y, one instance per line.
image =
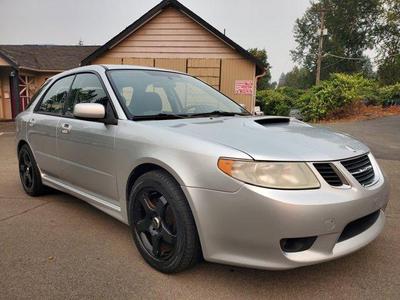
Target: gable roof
pixel 155 11
pixel 45 57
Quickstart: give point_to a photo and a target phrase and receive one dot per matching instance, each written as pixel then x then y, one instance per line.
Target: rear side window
pixel 86 88
pixel 55 97
pixel 44 85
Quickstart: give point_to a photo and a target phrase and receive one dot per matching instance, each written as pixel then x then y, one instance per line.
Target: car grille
pixel 361 169
pixel 328 173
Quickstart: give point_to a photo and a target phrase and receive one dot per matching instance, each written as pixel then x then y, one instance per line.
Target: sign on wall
pixel 244 87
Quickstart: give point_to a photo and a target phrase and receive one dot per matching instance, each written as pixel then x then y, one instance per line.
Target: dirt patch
pixel 363 112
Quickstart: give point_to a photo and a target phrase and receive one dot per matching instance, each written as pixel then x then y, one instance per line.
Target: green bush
pixel 390 94
pixel 336 95
pixel 278 101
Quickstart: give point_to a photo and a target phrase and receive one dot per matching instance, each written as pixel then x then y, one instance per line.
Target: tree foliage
pixel 261 54
pixel 299 78
pixel 351 26
pixel 336 95
pixel 389 42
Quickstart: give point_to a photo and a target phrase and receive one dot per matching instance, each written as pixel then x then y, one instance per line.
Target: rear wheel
pixel 162 224
pixel 29 172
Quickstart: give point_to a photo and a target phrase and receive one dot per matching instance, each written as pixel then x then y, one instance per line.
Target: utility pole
pixel 322 32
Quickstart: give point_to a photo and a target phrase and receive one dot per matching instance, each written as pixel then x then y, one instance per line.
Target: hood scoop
pixel 272 121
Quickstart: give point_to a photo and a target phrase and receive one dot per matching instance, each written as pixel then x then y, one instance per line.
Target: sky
pixel 250 23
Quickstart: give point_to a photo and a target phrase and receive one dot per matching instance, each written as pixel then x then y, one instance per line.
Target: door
pixel 86 147
pixel 42 126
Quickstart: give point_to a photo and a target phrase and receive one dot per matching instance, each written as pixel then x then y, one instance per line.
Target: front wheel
pixel 162 224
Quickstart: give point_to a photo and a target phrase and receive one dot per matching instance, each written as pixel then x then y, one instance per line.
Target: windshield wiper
pixel 219 113
pixel 160 116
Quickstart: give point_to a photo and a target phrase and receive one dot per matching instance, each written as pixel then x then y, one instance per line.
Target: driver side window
pixel 86 88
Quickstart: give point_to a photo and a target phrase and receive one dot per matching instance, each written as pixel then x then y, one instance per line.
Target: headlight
pixel 277 175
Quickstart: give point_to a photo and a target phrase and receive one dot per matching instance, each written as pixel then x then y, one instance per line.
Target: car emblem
pixel 350 148
pixel 362 170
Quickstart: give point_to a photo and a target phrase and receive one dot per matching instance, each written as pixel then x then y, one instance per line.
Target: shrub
pixel 278 101
pixel 390 94
pixel 336 96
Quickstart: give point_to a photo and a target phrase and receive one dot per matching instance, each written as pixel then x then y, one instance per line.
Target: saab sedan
pixel 195 175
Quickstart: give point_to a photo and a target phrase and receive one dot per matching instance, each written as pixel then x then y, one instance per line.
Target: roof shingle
pixel 46 57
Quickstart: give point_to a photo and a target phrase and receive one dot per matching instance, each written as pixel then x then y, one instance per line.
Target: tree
pixel 389 70
pixel 282 80
pixel 264 82
pixel 389 42
pixel 351 26
pixel 299 78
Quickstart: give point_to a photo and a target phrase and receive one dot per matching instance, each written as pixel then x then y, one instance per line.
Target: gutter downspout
pixel 255 88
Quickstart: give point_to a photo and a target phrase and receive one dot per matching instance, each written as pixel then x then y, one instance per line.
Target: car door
pixel 42 126
pixel 86 147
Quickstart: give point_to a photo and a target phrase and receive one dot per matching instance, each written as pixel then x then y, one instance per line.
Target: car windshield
pixel 148 94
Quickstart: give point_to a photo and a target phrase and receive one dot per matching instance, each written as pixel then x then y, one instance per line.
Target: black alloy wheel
pixel 162 223
pixel 155 224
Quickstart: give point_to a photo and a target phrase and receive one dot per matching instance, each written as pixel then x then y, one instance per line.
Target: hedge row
pixel 331 97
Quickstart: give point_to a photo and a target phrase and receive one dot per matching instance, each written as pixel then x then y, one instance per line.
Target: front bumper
pixel 245 228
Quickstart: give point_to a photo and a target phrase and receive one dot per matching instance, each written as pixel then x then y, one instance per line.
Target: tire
pixel 162 223
pixel 29 172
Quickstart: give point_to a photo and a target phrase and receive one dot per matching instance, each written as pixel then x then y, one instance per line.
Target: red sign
pixel 244 87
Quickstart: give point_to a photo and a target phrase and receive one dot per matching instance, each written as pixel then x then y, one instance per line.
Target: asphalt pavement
pixel 57 246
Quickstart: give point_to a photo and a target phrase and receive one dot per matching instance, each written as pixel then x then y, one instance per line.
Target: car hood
pixel 269 138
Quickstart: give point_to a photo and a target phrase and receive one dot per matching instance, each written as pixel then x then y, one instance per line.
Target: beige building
pixel 168 36
pixel 24 68
pixel 171 36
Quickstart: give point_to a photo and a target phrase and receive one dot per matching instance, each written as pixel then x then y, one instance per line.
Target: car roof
pixel 135 67
pixel 102 68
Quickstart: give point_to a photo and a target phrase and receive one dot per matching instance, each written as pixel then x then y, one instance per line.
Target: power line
pixel 343 57
pixel 332 64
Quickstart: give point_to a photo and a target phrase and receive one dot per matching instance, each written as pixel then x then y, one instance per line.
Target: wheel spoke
pixel 155 243
pixel 145 201
pixel 29 179
pixel 26 159
pixel 26 180
pixel 161 206
pixel 143 225
pixel 167 236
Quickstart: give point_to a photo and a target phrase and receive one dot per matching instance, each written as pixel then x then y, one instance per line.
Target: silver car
pixel 195 175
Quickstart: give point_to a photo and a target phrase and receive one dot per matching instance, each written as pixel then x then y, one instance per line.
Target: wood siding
pixel 5 101
pixel 171 34
pixel 207 70
pixel 172 40
pixel 147 62
pixel 177 64
pixel 232 70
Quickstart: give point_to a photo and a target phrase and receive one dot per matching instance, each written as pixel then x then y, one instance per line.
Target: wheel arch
pixel 145 167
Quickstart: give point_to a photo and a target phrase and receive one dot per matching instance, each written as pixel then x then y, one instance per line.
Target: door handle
pixel 65 128
pixel 31 122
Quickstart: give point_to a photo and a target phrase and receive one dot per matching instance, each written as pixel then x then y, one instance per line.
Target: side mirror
pixel 94 111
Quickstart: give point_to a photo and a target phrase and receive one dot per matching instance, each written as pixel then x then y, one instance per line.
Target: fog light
pixel 297 244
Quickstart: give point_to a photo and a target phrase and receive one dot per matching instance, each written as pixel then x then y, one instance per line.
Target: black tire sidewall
pixel 178 203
